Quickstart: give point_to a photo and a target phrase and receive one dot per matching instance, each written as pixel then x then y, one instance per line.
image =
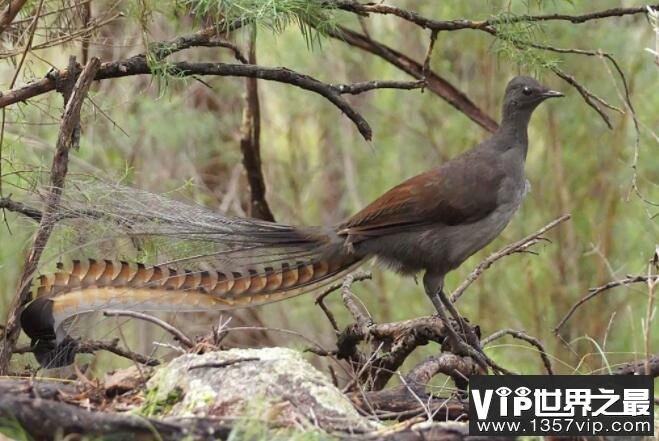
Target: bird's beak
pixel 551 94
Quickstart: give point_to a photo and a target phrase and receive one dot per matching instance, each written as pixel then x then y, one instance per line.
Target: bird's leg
pixel 434 287
pixel 467 345
pixel 466 330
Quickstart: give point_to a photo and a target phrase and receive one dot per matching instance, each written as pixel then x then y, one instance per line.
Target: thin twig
pixel 92 346
pixel 591 99
pixel 283 331
pixel 595 291
pixel 363 319
pixel 365 86
pixel 65 37
pixel 456 25
pixel 320 300
pixel 515 247
pixel 649 316
pixel 431 46
pixel 174 331
pixel 223 364
pixel 521 335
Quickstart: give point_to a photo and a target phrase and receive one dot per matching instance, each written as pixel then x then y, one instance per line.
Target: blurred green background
pixel 165 134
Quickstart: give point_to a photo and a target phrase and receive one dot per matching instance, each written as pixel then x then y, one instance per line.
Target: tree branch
pixel 643 367
pixel 490 26
pixel 58 175
pixel 515 247
pixel 19 207
pixel 521 335
pixel 435 83
pixel 9 13
pixel 174 331
pixel 456 25
pixel 357 88
pixel 595 291
pixel 250 143
pixel 138 65
pixel 93 346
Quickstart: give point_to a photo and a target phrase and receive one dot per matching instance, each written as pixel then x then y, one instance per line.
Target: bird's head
pixel 523 94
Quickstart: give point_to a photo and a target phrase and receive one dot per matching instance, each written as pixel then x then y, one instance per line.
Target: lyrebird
pixel 432 222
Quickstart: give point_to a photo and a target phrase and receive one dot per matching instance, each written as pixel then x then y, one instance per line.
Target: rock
pixel 272 384
pixel 125 380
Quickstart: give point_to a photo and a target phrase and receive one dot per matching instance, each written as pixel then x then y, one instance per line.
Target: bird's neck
pixel 513 132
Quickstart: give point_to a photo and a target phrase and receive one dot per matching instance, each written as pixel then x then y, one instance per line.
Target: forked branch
pixel 513 248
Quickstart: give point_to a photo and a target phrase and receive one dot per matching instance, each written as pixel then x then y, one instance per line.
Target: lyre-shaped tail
pixel 218 262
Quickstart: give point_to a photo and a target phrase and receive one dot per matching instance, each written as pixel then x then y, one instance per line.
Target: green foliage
pixel 12 429
pixel 274 15
pixel 513 44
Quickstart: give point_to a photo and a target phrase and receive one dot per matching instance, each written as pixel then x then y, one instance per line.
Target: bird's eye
pixel 527 90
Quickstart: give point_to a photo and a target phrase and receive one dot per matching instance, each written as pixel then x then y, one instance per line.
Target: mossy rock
pixel 275 385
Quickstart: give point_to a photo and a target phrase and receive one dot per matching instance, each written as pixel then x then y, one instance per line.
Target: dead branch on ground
pixel 93 346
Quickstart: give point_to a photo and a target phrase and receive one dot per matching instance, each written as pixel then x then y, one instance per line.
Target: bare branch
pixel 489 26
pixel 362 318
pixel 19 207
pixel 93 346
pixel 223 364
pixel 456 25
pixel 595 291
pixel 250 144
pixel 591 99
pixel 515 247
pixel 138 65
pixel 9 13
pixel 521 335
pixel 357 277
pixel 174 331
pixel 357 88
pixel 649 366
pixel 448 364
pixel 58 175
pixel 207 37
pixel 435 83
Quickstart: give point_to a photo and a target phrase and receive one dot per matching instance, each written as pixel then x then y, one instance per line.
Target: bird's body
pixel 452 212
pixel 432 222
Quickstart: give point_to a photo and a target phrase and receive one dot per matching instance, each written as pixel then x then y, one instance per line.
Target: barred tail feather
pixel 102 285
pixel 229 262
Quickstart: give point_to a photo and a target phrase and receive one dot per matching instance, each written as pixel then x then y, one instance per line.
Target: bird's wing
pixel 461 191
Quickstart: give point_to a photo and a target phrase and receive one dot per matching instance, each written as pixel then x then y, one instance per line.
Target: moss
pixel 155 405
pixel 277 384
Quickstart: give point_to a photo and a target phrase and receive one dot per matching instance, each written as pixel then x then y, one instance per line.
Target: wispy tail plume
pixel 219 263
